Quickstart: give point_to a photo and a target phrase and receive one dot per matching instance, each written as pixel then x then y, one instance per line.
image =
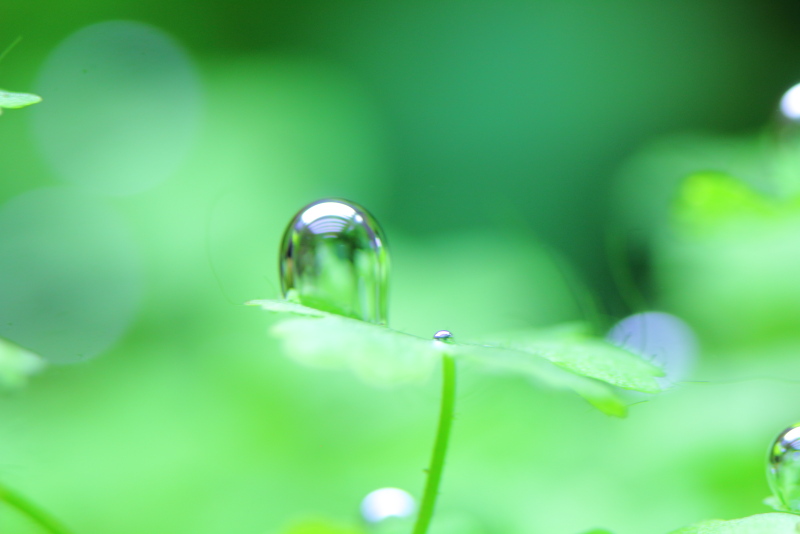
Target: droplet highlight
pixel 444 336
pixel 783 469
pixel 334 258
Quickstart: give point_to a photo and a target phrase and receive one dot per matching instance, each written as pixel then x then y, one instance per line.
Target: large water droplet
pixel 334 258
pixel 783 471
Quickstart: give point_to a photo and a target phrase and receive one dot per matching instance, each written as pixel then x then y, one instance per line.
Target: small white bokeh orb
pixel 387 502
pixel 790 103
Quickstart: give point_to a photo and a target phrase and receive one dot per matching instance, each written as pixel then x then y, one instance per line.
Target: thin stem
pixel 619 261
pixel 31 511
pixel 440 447
pixel 10 48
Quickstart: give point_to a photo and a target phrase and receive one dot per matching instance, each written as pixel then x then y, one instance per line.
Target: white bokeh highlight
pixel 384 503
pixel 790 103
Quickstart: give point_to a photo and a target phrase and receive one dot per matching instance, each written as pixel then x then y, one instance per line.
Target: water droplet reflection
pixel 783 469
pixel 334 258
pixel 384 503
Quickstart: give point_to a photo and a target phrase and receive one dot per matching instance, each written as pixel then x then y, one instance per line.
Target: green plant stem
pixel 31 511
pixel 10 48
pixel 440 447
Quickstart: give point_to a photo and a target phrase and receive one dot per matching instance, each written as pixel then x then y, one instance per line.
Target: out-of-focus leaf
pixel 17 365
pixel 562 360
pixel 708 199
pixel 598 531
pixel 321 526
pixel 775 503
pixel 17 100
pixel 774 523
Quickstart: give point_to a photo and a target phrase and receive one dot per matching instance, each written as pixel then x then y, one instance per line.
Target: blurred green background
pixel 521 156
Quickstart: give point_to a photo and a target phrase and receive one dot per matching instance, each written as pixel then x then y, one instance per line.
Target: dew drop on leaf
pixel 783 469
pixel 334 258
pixel 444 336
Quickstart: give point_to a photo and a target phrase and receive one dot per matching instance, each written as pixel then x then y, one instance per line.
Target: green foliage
pixel 775 503
pixel 559 359
pixel 713 200
pixel 31 511
pixel 758 524
pixel 11 100
pixel 576 351
pixel 709 198
pixel 17 365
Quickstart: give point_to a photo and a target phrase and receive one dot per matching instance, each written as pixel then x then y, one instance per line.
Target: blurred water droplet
pixel 783 469
pixel 384 503
pixel 661 338
pixel 445 336
pixel 333 257
pixel 70 274
pixel 123 107
pixel 790 103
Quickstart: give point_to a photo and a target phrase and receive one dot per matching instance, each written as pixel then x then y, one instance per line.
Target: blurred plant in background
pixel 498 142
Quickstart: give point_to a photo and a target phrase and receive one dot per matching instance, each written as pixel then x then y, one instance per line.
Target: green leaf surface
pixel 543 372
pixel 376 354
pixel 590 357
pixel 774 523
pixel 381 356
pixel 17 100
pixel 17 365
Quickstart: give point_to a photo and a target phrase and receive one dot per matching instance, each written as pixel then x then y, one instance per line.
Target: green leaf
pixel 590 357
pixel 774 523
pixel 598 531
pixel 775 503
pixel 376 354
pixel 542 372
pixel 17 100
pixel 17 365
pixel 710 199
pixel 386 357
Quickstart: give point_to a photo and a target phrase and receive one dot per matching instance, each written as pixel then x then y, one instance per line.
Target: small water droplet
pixel 334 258
pixel 444 336
pixel 783 469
